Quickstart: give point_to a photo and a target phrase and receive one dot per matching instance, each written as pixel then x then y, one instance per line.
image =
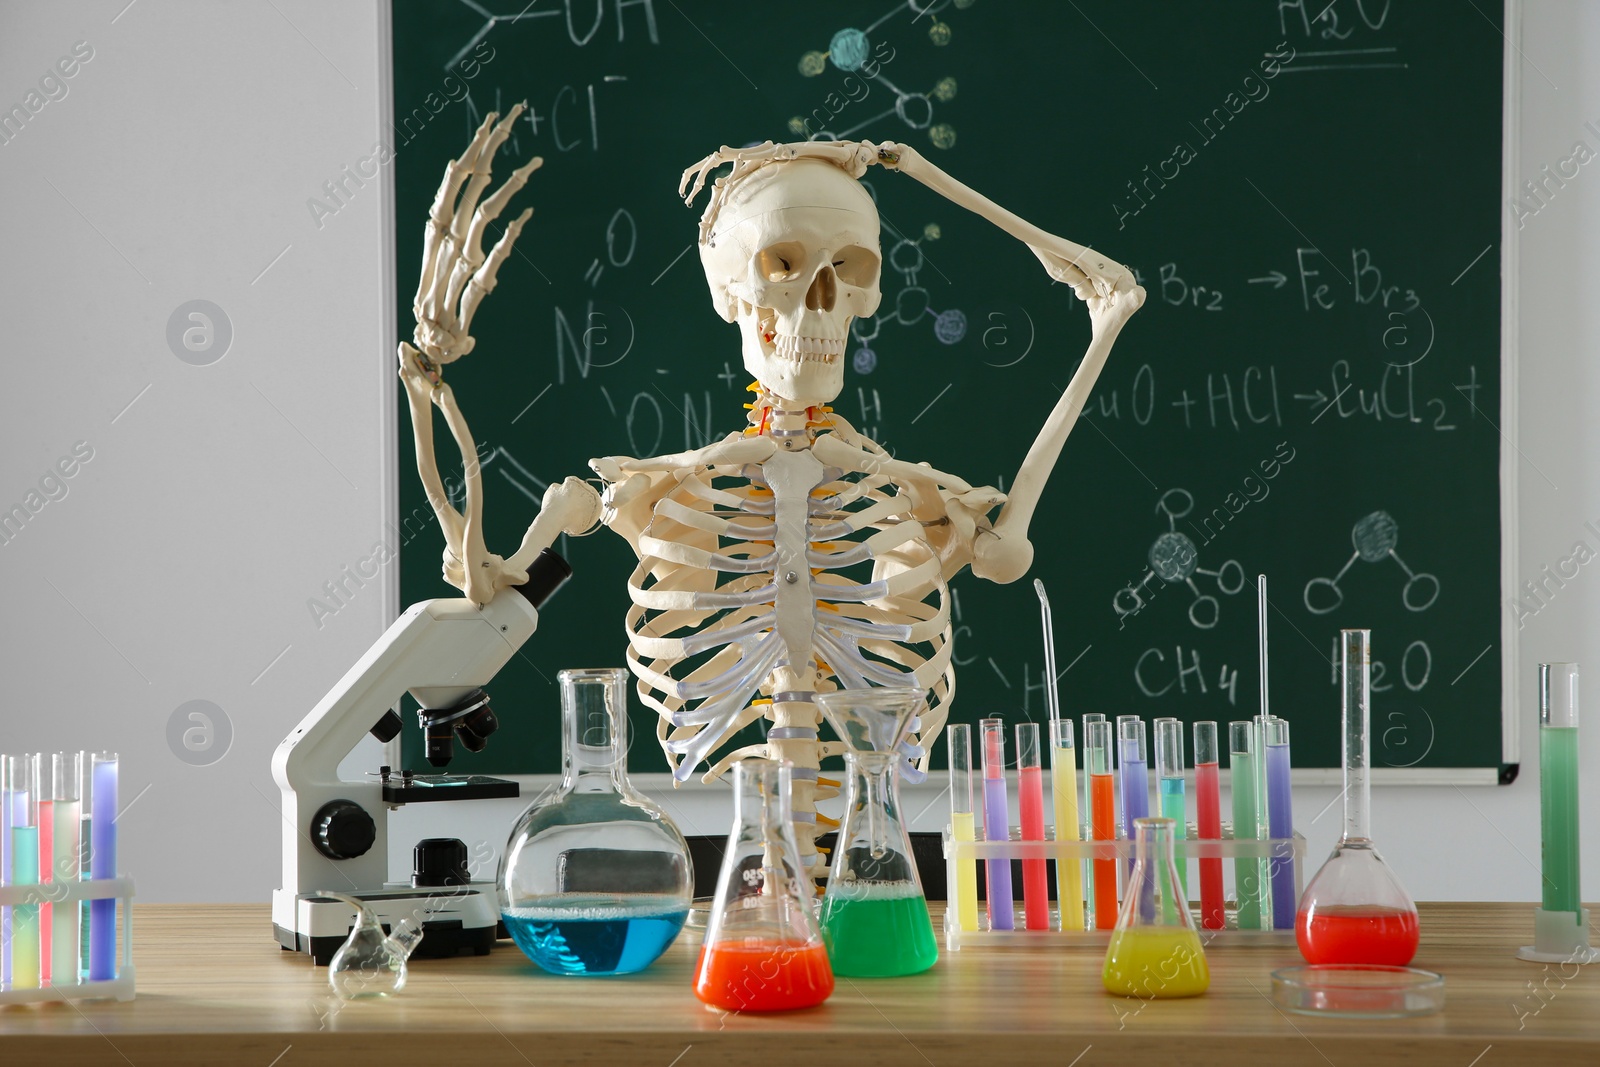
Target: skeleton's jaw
pixel 803 363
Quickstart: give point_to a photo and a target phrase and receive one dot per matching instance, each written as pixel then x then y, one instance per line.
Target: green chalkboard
pixel 1310 192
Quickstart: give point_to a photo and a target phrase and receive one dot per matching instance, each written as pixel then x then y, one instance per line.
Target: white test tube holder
pixel 57 894
pixel 1121 849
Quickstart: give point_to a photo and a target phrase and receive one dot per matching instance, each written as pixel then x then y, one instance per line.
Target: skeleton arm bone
pixel 1006 556
pixel 1109 290
pixel 418 391
pixel 1065 261
pixel 456 276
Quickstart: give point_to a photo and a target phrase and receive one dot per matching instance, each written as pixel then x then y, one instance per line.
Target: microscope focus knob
pixel 342 830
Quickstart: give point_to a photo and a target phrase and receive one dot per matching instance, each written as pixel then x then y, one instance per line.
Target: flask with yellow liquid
pixel 1155 951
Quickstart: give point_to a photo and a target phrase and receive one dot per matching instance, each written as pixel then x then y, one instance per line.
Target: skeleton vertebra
pixel 797 556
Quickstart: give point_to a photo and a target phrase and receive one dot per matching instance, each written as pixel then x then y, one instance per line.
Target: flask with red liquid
pixel 1355 911
pixel 763 948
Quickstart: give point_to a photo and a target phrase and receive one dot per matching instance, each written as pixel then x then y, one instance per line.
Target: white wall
pixel 178 565
pixel 188 546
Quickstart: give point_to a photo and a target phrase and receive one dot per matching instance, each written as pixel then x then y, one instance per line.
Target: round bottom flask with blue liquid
pixel 595 879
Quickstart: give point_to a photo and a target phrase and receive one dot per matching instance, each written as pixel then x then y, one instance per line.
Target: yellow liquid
pixel 966 887
pixel 1069 873
pixel 1149 962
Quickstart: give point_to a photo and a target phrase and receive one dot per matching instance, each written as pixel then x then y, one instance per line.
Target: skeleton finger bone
pixel 442 214
pixel 483 282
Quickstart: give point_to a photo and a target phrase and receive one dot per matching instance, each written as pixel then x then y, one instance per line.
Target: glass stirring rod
pixel 1063 776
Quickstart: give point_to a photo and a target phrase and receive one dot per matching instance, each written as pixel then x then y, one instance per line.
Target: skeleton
pixel 796 556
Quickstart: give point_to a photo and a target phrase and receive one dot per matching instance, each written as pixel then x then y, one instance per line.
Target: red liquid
pixel 1103 823
pixel 1355 933
pixel 1035 873
pixel 763 977
pixel 1208 812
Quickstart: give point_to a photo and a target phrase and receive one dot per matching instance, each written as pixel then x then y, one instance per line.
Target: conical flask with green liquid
pixel 874 915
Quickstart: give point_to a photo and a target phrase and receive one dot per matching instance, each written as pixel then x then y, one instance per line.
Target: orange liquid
pixel 764 976
pixel 1103 819
pixel 1354 933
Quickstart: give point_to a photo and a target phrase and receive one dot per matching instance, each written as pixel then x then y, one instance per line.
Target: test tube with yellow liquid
pixel 1064 792
pixel 962 826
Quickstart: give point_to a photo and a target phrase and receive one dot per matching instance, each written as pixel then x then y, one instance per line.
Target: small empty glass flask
pixel 372 963
pixel 1355 911
pixel 874 916
pixel 595 879
pixel 763 950
pixel 1155 951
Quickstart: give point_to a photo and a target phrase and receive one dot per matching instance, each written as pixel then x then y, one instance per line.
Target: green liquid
pixel 1246 872
pixel 1174 808
pixel 1558 810
pixel 878 931
pixel 24 917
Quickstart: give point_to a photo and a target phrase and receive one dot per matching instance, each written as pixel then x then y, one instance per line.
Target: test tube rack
pixel 1194 848
pixel 58 894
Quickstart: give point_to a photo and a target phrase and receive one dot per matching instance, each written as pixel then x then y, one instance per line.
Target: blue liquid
pixel 595 935
pixel 103 864
pixel 1280 821
pixel 997 827
pixel 1135 790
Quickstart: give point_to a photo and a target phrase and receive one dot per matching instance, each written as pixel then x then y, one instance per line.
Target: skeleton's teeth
pixel 808 349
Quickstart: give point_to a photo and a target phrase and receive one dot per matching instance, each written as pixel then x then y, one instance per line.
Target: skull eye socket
pixel 780 262
pixel 856 266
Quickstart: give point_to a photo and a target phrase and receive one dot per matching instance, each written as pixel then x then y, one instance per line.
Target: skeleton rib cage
pixel 705 634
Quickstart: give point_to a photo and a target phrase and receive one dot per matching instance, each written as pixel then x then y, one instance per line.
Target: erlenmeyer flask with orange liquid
pixel 1355 910
pixel 763 949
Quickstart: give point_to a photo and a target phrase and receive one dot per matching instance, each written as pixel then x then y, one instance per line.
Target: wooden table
pixel 214 988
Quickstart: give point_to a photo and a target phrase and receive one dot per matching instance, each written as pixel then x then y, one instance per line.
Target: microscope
pixel 335 832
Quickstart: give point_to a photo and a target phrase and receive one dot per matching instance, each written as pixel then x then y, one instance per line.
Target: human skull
pixel 793 257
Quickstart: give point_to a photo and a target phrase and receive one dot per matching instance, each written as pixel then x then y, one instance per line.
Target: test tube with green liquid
pixel 1558 784
pixel 958 736
pixel 1243 752
pixel 1174 795
pixel 24 778
pixel 1064 791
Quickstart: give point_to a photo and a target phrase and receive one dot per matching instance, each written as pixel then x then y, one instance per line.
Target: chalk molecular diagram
pixel 1374 538
pixel 910 304
pixel 851 50
pixel 1174 558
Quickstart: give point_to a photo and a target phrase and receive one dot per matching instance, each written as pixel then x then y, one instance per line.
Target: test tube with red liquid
pixel 1030 805
pixel 1208 822
pixel 1103 821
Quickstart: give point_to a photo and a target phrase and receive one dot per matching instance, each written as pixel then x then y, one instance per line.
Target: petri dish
pixel 1359 991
